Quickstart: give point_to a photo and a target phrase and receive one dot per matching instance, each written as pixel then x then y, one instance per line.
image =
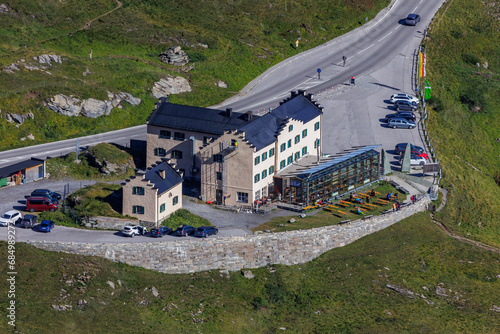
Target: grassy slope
pixel 464 139
pixel 244 38
pixel 341 291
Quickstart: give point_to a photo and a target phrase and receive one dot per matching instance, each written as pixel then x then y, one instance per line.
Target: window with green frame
pixel 271 170
pixel 290 159
pixel 271 152
pixel 256 178
pixel 297 155
pixel 264 156
pixel 304 150
pixel 257 160
pixel 289 143
pixel 175 200
pixel 264 173
pixel 304 133
pixel 297 139
pixel 316 126
pixel 282 164
pixel 290 128
pixel 162 207
pixel 282 147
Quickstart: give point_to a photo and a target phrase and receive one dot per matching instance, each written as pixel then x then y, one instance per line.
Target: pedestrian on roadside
pixel 344 58
pixel 393 206
pixel 397 206
pixel 368 199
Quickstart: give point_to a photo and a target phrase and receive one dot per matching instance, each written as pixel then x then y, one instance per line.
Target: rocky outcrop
pixel 15 118
pixel 170 85
pixel 11 68
pixel 221 84
pixel 48 59
pixel 175 56
pixel 91 108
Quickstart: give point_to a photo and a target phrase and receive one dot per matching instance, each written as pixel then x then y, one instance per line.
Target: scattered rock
pixel 170 85
pixel 485 65
pixel 387 312
pixel 291 221
pixel 48 59
pixel 87 71
pixel 225 271
pixel 111 284
pixel 81 304
pixel 203 45
pixel 495 308
pixel 11 68
pixel 174 56
pixel 283 328
pixel 221 84
pixel 4 9
pixel 302 215
pixel 248 274
pixel 11 118
pixel 119 283
pixel 62 307
pixel 281 225
pixel 317 312
pixel 441 291
pixel 401 290
pixel 267 231
pixel 93 108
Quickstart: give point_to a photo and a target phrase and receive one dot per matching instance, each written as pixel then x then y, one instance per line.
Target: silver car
pixel 401 123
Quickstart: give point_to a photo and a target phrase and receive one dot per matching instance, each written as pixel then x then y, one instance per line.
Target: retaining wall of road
pixel 110 223
pixel 235 253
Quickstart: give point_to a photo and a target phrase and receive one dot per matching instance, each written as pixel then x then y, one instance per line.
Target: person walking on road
pixel 344 58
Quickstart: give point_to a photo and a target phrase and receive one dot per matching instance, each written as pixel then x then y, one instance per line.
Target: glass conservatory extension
pixel 335 177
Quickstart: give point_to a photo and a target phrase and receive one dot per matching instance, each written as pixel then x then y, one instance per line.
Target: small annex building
pixel 154 194
pixel 22 172
pixel 312 178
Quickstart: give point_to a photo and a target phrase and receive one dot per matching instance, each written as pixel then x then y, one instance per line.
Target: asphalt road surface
pixel 381 55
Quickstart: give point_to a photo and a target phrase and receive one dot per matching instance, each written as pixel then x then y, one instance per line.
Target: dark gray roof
pixel 172 178
pixel 14 168
pixel 212 121
pixel 263 131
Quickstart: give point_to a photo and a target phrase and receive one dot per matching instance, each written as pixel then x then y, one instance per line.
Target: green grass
pixel 244 39
pixel 321 217
pixel 465 118
pixel 85 169
pixel 184 217
pixel 342 291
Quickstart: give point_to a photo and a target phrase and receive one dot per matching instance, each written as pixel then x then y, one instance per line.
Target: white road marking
pixel 365 49
pixel 384 37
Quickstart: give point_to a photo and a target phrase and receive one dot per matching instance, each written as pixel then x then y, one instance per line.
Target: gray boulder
pixel 48 59
pixel 170 85
pixel 174 56
pixel 11 68
pixel 11 118
pixel 65 105
pixel 4 9
pixel 93 108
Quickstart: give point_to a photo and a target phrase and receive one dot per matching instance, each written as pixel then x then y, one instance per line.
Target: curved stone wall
pixel 235 253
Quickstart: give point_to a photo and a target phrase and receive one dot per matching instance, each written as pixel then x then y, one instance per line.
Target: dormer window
pixel 290 128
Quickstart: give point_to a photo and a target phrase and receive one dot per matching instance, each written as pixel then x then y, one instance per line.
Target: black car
pixel 205 231
pixel 160 232
pixel 412 19
pixel 185 230
pixel 401 147
pixel 29 221
pixel 405 105
pixel 50 193
pixel 401 114
pixel 44 195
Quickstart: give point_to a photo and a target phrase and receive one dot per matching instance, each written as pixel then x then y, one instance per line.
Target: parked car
pixel 205 231
pixel 29 221
pixel 401 147
pixel 185 230
pixel 414 160
pixel 405 106
pixel 412 19
pixel 403 97
pixel 46 226
pixel 50 193
pixel 160 232
pixel 11 217
pixel 40 204
pixel 401 123
pixel 45 195
pixel 401 114
pixel 131 231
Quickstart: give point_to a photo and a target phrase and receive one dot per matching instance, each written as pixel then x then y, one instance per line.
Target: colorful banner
pixel 422 64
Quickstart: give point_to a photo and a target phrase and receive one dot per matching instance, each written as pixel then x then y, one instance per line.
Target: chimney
pixel 294 93
pixel 302 92
pixel 229 112
pixel 161 172
pixel 248 116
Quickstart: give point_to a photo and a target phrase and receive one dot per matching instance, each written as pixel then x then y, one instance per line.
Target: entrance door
pixel 219 196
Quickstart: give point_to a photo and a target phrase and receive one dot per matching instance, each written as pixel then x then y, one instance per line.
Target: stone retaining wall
pixel 235 253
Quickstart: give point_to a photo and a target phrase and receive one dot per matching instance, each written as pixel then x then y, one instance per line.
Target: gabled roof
pixel 197 119
pixel 171 179
pixel 14 168
pixel 263 131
